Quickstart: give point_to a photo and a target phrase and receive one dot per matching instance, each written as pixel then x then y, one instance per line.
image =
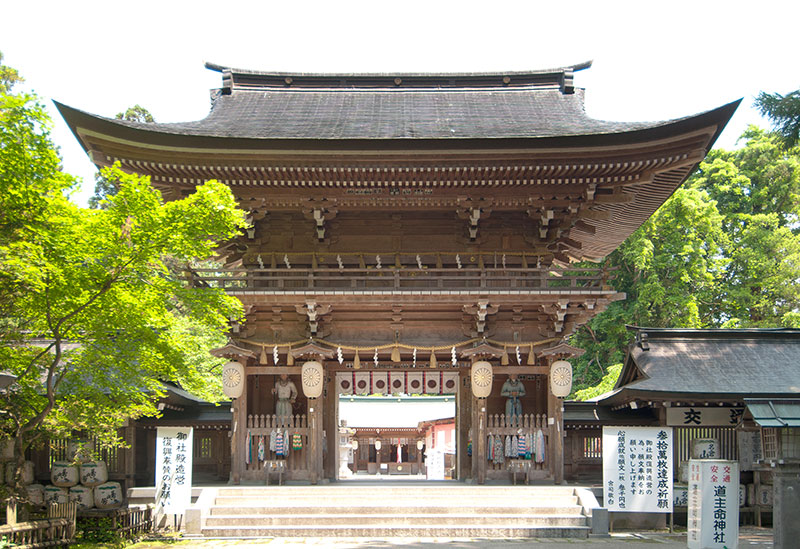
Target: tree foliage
pixel 105 186
pixel 94 315
pixel 137 113
pixel 723 251
pixel 8 76
pixel 784 113
pixel 605 385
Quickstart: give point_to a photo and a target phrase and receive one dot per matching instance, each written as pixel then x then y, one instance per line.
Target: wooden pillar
pixel 479 440
pixel 419 457
pixel 378 456
pixel 315 427
pixel 463 428
pixel 130 455
pixel 330 424
pixel 239 434
pixel 555 413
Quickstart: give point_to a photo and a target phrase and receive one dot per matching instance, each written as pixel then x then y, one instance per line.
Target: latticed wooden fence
pixel 529 425
pixel 58 529
pixel 260 429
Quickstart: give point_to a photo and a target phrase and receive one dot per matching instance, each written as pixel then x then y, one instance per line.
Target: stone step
pixel 377 502
pixel 394 520
pixel 417 490
pixel 418 509
pixel 429 531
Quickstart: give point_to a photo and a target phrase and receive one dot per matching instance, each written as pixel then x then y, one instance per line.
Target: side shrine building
pixel 410 233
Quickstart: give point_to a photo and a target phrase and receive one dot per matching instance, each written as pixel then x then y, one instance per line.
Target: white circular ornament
pixel 561 378
pixel 481 376
pixel 311 375
pixel 233 379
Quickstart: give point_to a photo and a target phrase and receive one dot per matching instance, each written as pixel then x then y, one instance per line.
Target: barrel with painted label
pixel 94 473
pixel 55 494
pixel 83 496
pixel 64 474
pixel 108 495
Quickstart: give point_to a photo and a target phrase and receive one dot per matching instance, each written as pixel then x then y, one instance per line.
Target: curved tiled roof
pixel 711 363
pixel 396 114
pixel 260 105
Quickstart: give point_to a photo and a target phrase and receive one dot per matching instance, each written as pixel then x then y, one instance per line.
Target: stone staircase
pixel 398 510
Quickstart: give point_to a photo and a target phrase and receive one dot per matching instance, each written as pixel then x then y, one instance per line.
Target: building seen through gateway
pixel 414 234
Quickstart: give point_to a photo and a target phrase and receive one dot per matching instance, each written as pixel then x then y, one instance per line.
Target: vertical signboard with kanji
pixel 713 519
pixel 637 469
pixel 173 469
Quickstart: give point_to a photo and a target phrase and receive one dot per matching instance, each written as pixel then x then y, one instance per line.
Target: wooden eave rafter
pixel 459 168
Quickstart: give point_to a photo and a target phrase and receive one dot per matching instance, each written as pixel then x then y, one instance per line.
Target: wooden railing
pixel 55 531
pixel 290 280
pixel 260 428
pixel 526 424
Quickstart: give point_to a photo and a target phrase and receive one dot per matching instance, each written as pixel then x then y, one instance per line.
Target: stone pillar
pixel 378 456
pixel 419 457
pixel 239 434
pixel 786 502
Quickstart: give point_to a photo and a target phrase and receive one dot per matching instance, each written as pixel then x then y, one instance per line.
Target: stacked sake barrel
pixel 9 466
pixel 84 481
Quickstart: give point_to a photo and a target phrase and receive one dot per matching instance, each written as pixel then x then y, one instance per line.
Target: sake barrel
pixel 764 496
pixel 27 472
pixel 7 449
pixel 83 496
pixel 64 473
pixel 55 494
pixel 108 495
pixel 705 448
pixel 683 472
pixel 94 473
pixel 36 494
pixel 80 450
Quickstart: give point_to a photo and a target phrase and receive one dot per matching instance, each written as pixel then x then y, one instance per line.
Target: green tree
pixel 723 251
pixel 605 385
pixel 105 187
pixel 137 113
pixel 784 113
pixel 668 269
pixel 94 318
pixel 8 76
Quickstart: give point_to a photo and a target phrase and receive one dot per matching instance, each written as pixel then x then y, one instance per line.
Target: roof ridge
pixel 247 78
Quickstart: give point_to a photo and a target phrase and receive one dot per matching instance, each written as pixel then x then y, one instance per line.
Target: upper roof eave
pixel 135 133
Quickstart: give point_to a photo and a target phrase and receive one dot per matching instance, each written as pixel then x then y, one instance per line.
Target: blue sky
pixel 652 60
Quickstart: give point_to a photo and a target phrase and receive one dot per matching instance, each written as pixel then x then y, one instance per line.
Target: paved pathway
pixel 749 538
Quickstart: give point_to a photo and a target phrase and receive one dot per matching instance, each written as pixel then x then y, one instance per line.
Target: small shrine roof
pixel 709 364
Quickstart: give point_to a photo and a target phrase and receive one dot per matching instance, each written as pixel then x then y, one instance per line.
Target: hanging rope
pixel 396 345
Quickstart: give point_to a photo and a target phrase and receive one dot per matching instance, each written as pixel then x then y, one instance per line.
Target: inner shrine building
pixel 409 233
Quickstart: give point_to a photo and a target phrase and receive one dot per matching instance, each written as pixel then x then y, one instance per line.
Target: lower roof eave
pixel 624 396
